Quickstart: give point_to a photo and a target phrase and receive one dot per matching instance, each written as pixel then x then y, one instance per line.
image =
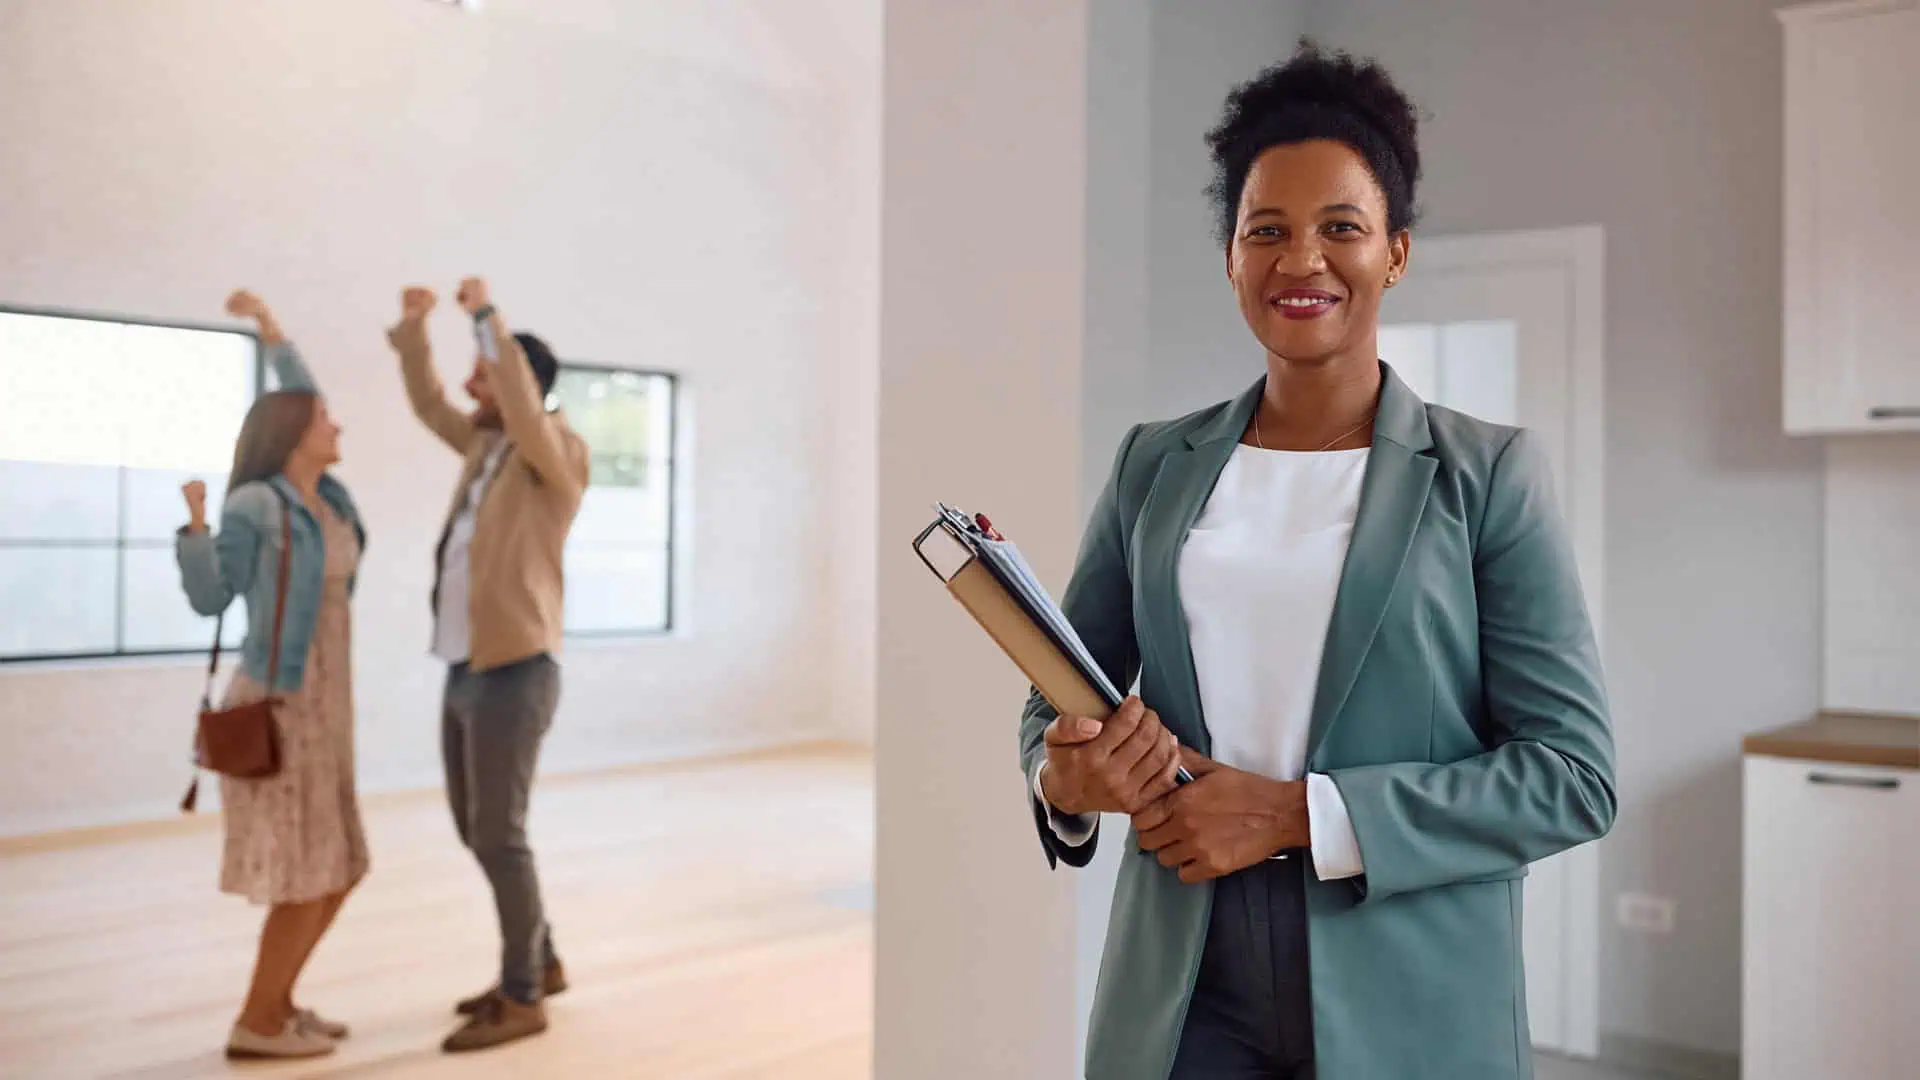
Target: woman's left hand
pixel 1225 821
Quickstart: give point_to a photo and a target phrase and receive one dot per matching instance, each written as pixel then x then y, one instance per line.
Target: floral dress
pixel 297 836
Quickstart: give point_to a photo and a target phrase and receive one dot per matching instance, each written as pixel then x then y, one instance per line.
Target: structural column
pixel 983 207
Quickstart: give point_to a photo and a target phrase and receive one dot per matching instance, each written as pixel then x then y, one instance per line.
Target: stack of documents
pixel 986 573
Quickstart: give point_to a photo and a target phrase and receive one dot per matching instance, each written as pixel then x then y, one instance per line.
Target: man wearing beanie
pixel 497 601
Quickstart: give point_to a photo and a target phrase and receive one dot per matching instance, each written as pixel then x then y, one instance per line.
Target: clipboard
pixel 986 573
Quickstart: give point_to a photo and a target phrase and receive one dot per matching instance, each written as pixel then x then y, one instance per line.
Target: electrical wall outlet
pixel 1644 913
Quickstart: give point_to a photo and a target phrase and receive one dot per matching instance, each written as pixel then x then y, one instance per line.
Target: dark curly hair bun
pixel 1317 95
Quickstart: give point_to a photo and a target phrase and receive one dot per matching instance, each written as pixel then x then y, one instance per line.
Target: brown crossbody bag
pixel 243 741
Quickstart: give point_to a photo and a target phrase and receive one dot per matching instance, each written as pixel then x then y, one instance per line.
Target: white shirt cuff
pixel 1336 850
pixel 1072 830
pixel 489 347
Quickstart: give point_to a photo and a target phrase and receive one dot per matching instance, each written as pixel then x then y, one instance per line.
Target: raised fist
pixel 245 305
pixel 472 295
pixel 416 301
pixel 195 493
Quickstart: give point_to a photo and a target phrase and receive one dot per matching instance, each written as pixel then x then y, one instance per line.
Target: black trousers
pixel 1252 1011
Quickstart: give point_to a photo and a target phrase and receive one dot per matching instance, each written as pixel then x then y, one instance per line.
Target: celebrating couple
pixel 294 840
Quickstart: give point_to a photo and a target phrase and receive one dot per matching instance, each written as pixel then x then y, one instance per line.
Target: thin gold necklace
pixel 1262 443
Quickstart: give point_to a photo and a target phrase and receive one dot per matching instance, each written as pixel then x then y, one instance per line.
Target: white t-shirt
pixel 1258 577
pixel 453 622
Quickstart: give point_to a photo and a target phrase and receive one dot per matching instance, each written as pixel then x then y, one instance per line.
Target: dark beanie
pixel 540 358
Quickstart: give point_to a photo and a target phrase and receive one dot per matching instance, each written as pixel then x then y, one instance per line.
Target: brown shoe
pixel 555 982
pixel 498 1021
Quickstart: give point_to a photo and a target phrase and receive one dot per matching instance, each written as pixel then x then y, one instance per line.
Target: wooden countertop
pixel 1886 739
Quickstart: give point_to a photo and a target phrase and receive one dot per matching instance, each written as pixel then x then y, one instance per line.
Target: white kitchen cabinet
pixel 1851 333
pixel 1831 985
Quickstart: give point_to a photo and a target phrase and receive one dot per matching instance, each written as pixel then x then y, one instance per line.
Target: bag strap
pixel 280 591
pixel 279 612
pixel 213 661
pixel 192 797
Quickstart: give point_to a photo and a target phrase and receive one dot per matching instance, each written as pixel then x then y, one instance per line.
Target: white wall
pixel 1120 90
pixel 1872 619
pixel 636 180
pixel 984 161
pixel 1661 123
pixel 856 420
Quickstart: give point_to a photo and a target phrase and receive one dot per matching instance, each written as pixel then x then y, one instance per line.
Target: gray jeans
pixel 491 724
pixel 1252 1011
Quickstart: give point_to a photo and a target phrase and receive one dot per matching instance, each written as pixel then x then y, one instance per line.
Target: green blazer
pixel 1459 710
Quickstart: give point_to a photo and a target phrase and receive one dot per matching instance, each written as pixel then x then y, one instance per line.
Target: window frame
pixel 119 544
pixel 671 624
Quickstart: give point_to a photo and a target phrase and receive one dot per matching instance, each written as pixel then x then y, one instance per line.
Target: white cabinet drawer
pixel 1831 984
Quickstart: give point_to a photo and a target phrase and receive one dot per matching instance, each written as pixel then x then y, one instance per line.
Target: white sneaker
pixel 294 1041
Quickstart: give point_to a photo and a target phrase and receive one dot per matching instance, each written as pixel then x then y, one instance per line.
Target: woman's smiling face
pixel 1312 253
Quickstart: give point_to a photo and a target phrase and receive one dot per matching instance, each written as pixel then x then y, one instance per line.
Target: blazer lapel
pixel 1179 492
pixel 1393 496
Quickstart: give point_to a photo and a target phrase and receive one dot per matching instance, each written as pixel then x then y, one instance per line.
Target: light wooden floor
pixel 714 920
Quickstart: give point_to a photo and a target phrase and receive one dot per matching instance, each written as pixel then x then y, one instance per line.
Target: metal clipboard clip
pixel 962 529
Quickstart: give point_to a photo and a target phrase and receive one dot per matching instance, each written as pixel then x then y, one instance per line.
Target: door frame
pixel 1578 254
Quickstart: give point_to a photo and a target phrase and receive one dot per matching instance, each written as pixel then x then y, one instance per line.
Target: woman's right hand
pixel 1116 767
pixel 196 496
pixel 242 303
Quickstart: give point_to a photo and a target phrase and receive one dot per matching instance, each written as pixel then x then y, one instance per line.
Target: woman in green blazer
pixel 1356 618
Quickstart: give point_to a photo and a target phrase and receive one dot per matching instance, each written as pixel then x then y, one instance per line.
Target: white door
pixel 1507 327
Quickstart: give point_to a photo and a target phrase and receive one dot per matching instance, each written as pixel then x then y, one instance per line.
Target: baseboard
pixel 1669 1061
pixel 682 751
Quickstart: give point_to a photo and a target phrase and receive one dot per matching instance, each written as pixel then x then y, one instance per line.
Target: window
pixel 101 422
pixel 620 553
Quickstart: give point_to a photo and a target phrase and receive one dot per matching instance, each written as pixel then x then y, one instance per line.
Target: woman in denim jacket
pixel 294 841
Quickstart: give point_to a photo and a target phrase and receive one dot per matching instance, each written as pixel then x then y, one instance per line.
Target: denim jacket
pixel 243 558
